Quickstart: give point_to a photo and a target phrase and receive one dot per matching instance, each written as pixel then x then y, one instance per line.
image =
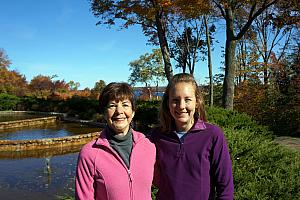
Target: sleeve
pixel 222 168
pixel 156 174
pixel 84 182
pixel 152 136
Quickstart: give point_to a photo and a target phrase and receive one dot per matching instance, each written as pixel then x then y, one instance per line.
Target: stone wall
pixel 50 143
pixel 27 122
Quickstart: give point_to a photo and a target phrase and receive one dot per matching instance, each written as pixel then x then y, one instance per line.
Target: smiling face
pixel 119 115
pixel 182 105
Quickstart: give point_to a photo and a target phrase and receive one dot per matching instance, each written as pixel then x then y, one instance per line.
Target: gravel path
pixel 292 142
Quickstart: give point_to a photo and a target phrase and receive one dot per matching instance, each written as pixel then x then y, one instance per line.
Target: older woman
pixel 120 163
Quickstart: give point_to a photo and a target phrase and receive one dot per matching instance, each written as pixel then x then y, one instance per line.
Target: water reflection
pixel 37 178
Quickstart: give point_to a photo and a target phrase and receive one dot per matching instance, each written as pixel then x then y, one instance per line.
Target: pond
pixel 53 130
pixel 44 175
pixel 32 179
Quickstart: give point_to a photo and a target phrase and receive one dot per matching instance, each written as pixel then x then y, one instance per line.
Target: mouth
pixel 118 119
pixel 181 113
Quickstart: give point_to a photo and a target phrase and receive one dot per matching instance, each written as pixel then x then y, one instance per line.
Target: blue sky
pixel 60 37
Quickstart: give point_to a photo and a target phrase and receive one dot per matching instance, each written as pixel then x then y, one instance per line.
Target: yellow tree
pixel 11 81
pixel 154 16
pixel 228 10
pixel 41 86
pixel 150 15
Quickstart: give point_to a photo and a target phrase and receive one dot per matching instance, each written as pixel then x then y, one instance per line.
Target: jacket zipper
pixel 130 184
pixel 127 169
pixel 180 150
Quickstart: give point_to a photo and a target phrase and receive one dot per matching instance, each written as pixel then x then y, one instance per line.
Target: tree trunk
pixel 164 46
pixel 266 75
pixel 156 88
pixel 244 61
pixel 228 86
pixel 211 85
pixel 228 14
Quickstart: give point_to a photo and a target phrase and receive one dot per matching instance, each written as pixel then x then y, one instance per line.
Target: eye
pixel 111 106
pixel 188 100
pixel 126 104
pixel 175 100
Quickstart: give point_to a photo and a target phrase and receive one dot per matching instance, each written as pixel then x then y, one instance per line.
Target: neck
pixel 184 127
pixel 119 134
pixel 122 134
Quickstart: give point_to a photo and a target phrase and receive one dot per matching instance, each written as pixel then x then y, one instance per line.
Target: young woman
pixel 120 163
pixel 193 161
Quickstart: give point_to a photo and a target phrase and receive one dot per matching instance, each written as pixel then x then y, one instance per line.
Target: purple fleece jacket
pixel 199 168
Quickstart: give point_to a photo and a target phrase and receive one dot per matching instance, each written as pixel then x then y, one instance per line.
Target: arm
pixel 222 168
pixel 156 174
pixel 84 183
pixel 152 136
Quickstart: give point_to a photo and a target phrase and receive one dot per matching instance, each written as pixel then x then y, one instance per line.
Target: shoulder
pixel 215 131
pixel 89 150
pixel 142 139
pixel 213 127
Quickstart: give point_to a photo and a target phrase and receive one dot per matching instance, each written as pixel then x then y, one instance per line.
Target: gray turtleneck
pixel 122 145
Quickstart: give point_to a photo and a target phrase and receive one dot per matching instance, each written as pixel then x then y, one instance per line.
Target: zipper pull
pixel 129 175
pixel 180 150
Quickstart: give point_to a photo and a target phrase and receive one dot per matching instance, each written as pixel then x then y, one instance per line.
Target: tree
pixel 60 86
pixel 73 85
pixel 270 34
pixel 228 10
pixel 11 82
pixel 150 15
pixel 209 62
pixel 99 86
pixel 4 60
pixel 148 68
pixel 186 46
pixel 41 86
pixel 154 16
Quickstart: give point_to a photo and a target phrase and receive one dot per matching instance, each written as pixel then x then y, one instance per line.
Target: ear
pixel 133 113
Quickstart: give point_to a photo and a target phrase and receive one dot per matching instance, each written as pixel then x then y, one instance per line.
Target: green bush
pixel 8 102
pixel 146 114
pixel 262 169
pixel 232 118
pixel 28 103
pixel 84 107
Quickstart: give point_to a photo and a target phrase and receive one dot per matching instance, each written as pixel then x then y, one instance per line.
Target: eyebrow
pixel 114 102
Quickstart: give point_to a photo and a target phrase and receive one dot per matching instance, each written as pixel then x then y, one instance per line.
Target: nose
pixel 181 104
pixel 119 109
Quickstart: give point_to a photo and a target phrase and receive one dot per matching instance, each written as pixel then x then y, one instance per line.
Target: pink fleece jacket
pixel 102 174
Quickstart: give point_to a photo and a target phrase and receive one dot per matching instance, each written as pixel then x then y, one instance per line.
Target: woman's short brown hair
pixel 116 92
pixel 166 119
